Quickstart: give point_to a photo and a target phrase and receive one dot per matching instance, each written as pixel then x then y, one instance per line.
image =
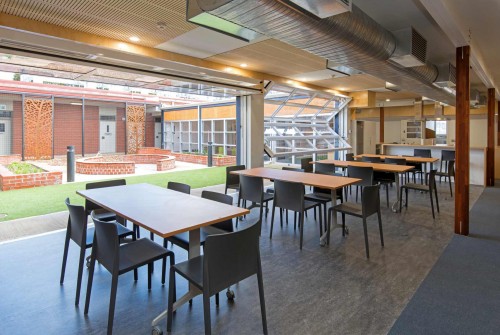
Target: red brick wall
pixel 120 130
pixel 124 164
pixel 91 130
pixel 67 128
pixel 195 159
pixel 10 181
pixel 17 128
pixel 150 130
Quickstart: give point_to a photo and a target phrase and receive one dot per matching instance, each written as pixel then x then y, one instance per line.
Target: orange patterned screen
pixel 136 121
pixel 37 129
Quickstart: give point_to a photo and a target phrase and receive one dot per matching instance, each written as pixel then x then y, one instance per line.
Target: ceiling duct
pixel 392 87
pixel 351 38
pixel 447 76
pixel 411 48
pixel 322 8
pixel 477 99
pixel 341 70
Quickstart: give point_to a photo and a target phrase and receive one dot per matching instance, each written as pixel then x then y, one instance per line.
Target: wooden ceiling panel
pixel 117 19
pixel 359 82
pixel 274 57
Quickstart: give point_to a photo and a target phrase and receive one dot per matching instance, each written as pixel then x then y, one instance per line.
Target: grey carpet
pixel 461 294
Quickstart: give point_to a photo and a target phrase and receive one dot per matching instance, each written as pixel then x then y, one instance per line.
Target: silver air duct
pixel 351 38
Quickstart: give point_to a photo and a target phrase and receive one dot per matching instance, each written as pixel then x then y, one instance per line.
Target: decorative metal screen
pixel 38 135
pixel 136 121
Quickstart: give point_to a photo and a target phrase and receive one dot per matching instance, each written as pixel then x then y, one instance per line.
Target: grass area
pixel 23 168
pixel 49 199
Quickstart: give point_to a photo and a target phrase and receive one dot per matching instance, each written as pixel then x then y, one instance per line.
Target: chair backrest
pixel 229 258
pixel 222 198
pixel 77 223
pixel 422 153
pixel 432 179
pixel 395 161
pixel 305 164
pixel 89 205
pixel 287 168
pixel 251 188
pixel 289 195
pixel 448 155
pixel 179 187
pixel 371 159
pixel 361 172
pixel 106 244
pixel 451 168
pixel 324 168
pixel 349 157
pixel 370 200
pixel 233 179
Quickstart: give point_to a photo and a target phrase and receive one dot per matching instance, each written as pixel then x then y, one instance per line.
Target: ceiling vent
pixel 411 48
pixel 340 71
pixel 41 49
pixel 199 16
pixel 447 76
pixel 321 9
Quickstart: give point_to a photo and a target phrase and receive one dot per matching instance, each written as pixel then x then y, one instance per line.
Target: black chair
pixel 252 189
pixel 228 259
pixel 430 187
pixel 288 168
pixel 380 177
pixel 119 259
pixel 425 153
pixel 446 156
pixel 448 173
pixel 370 204
pixel 305 164
pixel 363 173
pixel 396 161
pixel 174 186
pixel 83 237
pixel 371 159
pixel 290 196
pixel 349 157
pixel 233 180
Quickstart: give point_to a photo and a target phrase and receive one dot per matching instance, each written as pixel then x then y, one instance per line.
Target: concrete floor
pixel 319 290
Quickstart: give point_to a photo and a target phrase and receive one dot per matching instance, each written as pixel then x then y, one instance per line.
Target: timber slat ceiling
pixel 117 19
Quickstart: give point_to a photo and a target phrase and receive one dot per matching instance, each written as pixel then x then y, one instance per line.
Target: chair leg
pixel 172 263
pixel 294 218
pixel 281 217
pixel 320 225
pixel 400 198
pixel 65 256
pixel 272 221
pixel 357 188
pixel 432 205
pixel 387 194
pixel 171 291
pixel 261 298
pixel 380 228
pixel 367 248
pixel 163 269
pixel 112 301
pixel 260 213
pixel 151 236
pixel 80 273
pixel 217 299
pixel 449 182
pixel 301 223
pixel 136 230
pixel 406 195
pixel 206 313
pixel 89 283
pixel 343 224
pixel 150 271
pixel 436 193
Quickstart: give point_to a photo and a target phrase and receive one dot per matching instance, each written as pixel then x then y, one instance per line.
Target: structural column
pixel 462 144
pixel 490 151
pixel 382 121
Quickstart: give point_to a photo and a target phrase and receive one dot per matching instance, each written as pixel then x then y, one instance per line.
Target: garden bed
pixel 122 164
pixel 12 181
pixel 191 158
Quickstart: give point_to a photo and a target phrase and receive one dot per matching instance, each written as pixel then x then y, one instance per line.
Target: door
pixel 107 134
pixel 5 136
pixel 158 134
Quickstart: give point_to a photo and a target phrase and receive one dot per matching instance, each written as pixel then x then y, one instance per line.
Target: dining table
pixel 165 213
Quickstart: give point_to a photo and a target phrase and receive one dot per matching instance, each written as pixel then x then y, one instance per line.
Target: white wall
pixel 478 132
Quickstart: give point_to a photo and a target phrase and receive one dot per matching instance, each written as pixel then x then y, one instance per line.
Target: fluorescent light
pixel 134 38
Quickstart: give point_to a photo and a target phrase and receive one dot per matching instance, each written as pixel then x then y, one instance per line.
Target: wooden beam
pixel 490 150
pixel 462 144
pixel 382 121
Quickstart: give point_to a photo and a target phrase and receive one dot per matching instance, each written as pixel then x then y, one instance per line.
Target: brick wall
pixel 67 128
pixel 91 130
pixel 124 164
pixel 188 158
pixel 17 128
pixel 10 181
pixel 6 160
pixel 120 130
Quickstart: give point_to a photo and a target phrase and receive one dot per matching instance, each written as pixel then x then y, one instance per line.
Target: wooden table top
pixel 160 210
pixel 409 159
pixel 376 166
pixel 310 179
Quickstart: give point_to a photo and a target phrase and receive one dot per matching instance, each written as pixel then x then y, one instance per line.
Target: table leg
pixel 325 238
pixel 395 205
pixel 194 251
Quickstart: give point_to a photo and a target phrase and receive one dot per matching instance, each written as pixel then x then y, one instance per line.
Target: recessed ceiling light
pixel 202 73
pixel 387 99
pixel 341 88
pixel 134 38
pixel 243 64
pixel 228 69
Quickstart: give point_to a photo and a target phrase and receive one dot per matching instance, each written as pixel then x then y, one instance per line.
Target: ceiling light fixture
pixel 75 103
pixel 228 69
pixel 243 65
pixel 387 100
pixel 134 38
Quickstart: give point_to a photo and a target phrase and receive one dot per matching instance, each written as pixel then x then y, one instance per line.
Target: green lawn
pixel 49 199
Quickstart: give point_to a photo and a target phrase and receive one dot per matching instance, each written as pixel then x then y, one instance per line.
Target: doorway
pixel 107 131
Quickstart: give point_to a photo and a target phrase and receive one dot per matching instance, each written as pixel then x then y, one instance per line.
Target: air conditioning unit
pixel 447 76
pixel 411 49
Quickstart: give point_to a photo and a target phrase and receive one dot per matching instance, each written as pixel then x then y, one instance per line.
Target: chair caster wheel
pixel 230 294
pixel 156 331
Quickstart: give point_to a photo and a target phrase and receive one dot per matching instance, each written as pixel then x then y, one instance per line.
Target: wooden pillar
pixel 462 144
pixel 490 151
pixel 382 121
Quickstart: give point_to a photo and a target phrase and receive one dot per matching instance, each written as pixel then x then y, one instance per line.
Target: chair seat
pixel 418 187
pixel 443 174
pixel 122 232
pixel 310 204
pixel 268 197
pixel 138 253
pixel 103 215
pixel 192 270
pixel 349 208
pixel 182 239
pixel 318 197
pixel 234 186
